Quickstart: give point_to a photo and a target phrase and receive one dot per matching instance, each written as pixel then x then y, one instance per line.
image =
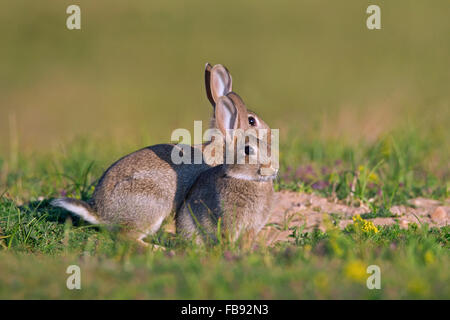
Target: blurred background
pixel 134 72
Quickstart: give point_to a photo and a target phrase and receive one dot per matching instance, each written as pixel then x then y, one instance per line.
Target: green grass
pixel 390 170
pixel 38 242
pixel 39 246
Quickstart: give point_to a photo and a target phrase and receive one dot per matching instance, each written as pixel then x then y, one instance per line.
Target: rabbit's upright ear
pixel 208 69
pixel 226 115
pixel 218 82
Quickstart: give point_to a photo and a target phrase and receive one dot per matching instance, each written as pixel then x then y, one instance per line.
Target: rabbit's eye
pixel 252 121
pixel 248 150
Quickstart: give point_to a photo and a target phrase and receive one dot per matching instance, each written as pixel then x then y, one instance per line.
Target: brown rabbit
pixel 239 195
pixel 141 189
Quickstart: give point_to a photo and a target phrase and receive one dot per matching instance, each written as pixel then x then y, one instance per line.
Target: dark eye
pixel 252 121
pixel 248 150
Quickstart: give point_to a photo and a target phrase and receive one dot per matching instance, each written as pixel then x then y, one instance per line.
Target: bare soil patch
pixel 293 209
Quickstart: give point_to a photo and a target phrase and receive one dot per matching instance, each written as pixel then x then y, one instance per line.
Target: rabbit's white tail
pixel 80 208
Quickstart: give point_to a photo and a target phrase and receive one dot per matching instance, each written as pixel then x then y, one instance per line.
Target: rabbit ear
pixel 241 110
pixel 226 115
pixel 208 69
pixel 220 83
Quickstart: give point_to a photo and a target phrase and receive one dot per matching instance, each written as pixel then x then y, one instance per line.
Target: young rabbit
pixel 240 195
pixel 141 189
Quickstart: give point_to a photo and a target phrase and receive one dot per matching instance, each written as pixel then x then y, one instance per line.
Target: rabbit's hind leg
pixel 155 226
pixel 138 236
pixel 146 245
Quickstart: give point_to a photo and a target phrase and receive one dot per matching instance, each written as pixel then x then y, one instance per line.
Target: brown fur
pixel 243 206
pixel 237 194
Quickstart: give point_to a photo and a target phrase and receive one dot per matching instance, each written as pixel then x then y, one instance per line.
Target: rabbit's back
pixel 144 187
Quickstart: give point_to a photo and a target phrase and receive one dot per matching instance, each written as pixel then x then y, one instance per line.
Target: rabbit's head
pixel 218 83
pixel 248 151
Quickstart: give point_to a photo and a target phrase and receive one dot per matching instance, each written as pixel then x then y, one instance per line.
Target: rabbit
pixel 240 195
pixel 139 191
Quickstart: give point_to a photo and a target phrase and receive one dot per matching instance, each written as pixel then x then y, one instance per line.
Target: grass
pixel 413 263
pixel 38 242
pixel 363 118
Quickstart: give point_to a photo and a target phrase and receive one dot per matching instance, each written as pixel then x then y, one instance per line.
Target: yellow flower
pixel 369 227
pixel 371 176
pixel 356 271
pixel 364 225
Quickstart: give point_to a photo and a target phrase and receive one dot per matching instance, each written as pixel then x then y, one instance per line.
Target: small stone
pixel 423 202
pixel 439 215
pixel 403 224
pixel 396 210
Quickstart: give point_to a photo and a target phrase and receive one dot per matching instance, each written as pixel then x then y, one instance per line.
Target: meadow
pixel 363 118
